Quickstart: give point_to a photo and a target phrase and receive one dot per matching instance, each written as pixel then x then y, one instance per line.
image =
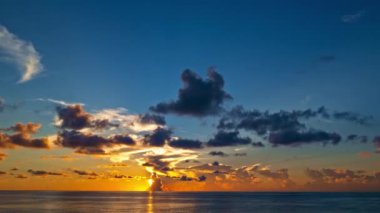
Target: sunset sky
pixel 208 95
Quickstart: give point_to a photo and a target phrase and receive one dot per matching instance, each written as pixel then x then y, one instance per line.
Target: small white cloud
pixel 352 18
pixel 58 102
pixel 21 53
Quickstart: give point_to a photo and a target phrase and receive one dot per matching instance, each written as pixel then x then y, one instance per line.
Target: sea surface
pixel 55 201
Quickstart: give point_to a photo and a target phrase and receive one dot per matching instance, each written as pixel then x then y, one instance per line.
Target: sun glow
pixel 150 182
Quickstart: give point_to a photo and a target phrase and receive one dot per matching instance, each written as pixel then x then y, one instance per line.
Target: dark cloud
pixel 158 163
pixel 331 178
pixel 376 142
pixel 240 154
pixel 148 118
pixel 198 97
pixel 258 144
pixel 202 178
pixel 91 144
pixel 20 176
pixel 2 104
pixel 158 137
pixel 22 136
pixel 75 117
pixel 84 173
pixel 218 153
pixel 120 176
pixel 295 138
pixel 2 173
pixel 186 144
pixel 353 117
pixel 43 173
pixel 354 137
pixel 263 123
pixel 223 138
pixel 186 178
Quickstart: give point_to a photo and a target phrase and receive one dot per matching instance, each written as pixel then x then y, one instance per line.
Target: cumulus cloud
pixel 148 118
pixel 87 143
pixel 21 53
pixel 296 138
pixel 43 173
pixel 84 173
pixel 342 179
pixel 376 142
pixel 218 153
pixel 186 143
pixel 223 138
pixel 198 97
pixel 22 136
pixel 158 137
pixel 265 122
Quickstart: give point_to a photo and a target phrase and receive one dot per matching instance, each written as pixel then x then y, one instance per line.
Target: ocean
pixel 56 201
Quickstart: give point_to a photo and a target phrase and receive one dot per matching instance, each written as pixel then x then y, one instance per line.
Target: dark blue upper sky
pixel 273 55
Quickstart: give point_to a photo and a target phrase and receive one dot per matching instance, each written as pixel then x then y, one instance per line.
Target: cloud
pixel 43 173
pixel 84 173
pixel 353 18
pixel 5 106
pixel 258 144
pixel 158 137
pixel 2 104
pixel 121 120
pixel 21 53
pixel 223 138
pixel 73 117
pixel 376 142
pixel 342 179
pixel 87 143
pixel 296 138
pixel 354 137
pixel 186 143
pixel 20 176
pixel 148 118
pixel 198 97
pixel 263 123
pixel 58 102
pixel 22 136
pixel 218 153
pixel 240 154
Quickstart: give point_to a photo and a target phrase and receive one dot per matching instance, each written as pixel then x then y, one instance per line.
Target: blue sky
pixel 277 55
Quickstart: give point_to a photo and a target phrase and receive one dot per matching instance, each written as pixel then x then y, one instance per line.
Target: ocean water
pixel 55 201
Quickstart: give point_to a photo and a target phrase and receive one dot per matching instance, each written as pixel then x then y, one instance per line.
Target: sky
pixel 190 95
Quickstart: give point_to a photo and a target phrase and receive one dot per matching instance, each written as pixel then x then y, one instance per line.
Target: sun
pixel 150 182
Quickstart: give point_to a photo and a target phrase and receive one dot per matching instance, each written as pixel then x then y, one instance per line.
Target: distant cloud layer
pixel 21 53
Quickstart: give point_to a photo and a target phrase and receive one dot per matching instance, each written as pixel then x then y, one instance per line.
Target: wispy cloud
pixel 352 18
pixel 21 53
